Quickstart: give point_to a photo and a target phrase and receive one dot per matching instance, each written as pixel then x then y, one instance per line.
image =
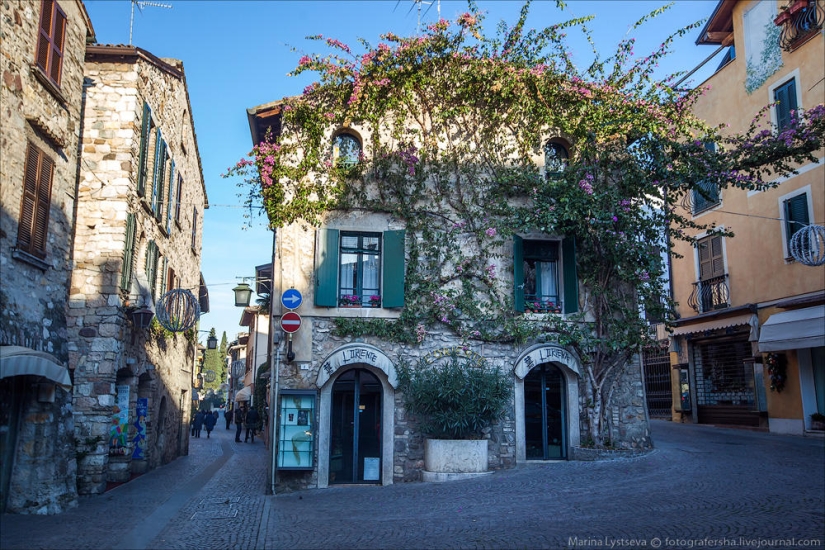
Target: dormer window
pixel 346 150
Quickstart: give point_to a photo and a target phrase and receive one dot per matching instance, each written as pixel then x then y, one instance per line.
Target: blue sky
pixel 237 54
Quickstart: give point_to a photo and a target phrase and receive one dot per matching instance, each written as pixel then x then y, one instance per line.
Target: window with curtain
pixel 541 276
pixel 360 269
pixel 555 159
pixel 346 150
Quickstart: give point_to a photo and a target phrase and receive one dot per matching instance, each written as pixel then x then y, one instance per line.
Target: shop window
pixel 351 266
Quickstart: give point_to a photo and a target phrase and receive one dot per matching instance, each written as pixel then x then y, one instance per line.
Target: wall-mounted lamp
pixel 243 294
pixel 212 342
pixel 142 317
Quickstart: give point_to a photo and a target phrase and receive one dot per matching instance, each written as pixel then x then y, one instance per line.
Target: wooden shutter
pixel 570 276
pixel 158 174
pixel 786 96
pixel 796 215
pixel 326 267
pixel 33 229
pixel 164 281
pixel 178 198
pixel 58 37
pixel 711 260
pixel 152 256
pixel 128 253
pixel 392 293
pixel 518 273
pixel 144 150
pixel 194 243
pixel 44 39
pixel 171 198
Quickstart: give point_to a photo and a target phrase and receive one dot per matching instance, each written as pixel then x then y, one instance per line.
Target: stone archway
pixel 570 367
pixel 343 359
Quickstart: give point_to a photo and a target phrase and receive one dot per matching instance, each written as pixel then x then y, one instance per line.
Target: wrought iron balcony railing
pixel 800 20
pixel 710 294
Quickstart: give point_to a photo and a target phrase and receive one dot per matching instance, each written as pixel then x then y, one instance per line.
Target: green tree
pixel 216 364
pixel 455 122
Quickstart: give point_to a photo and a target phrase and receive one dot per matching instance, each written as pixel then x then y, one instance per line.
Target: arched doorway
pixel 545 414
pixel 355 428
pixel 368 369
pixel 547 401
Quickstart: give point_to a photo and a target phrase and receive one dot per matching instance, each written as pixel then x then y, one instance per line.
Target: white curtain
pixel 548 276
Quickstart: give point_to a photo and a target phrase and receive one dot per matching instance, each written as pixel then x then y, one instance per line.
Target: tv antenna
pixel 417 4
pixel 142 4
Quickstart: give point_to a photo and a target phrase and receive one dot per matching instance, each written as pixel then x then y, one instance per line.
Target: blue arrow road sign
pixel 291 298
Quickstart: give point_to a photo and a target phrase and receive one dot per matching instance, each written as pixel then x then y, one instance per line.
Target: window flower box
pixel 349 300
pixel 375 300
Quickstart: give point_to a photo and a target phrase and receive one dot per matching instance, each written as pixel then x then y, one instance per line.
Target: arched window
pixel 555 158
pixel 346 150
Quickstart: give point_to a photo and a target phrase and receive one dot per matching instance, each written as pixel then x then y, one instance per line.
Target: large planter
pixel 451 459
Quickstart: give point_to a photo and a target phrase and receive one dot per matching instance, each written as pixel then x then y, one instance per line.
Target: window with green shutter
pixel 147 133
pixel 359 269
pixel 152 257
pixel 128 253
pixel 785 97
pixel 544 276
pixel 796 216
pixel 170 198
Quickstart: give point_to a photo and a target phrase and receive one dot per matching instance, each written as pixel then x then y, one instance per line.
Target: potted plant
pixel 375 300
pixel 818 421
pixel 454 402
pixel 349 300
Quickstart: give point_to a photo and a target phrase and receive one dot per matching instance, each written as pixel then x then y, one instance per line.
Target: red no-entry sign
pixel 290 322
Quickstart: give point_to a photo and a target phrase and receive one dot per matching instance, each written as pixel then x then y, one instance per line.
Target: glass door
pixel 355 445
pixel 545 414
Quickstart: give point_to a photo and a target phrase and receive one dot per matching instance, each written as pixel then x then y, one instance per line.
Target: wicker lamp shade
pixel 808 245
pixel 177 310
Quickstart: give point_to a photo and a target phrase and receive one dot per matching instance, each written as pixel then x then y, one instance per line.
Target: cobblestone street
pixel 702 487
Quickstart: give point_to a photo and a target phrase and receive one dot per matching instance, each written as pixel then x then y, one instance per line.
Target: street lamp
pixel 142 317
pixel 243 294
pixel 212 342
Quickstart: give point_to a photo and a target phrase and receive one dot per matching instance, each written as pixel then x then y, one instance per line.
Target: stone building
pixel 141 200
pixel 42 69
pixel 750 341
pixel 340 415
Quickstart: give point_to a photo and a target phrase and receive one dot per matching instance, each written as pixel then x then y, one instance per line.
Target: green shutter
pixel 392 295
pixel 128 253
pixel 171 199
pixel 144 150
pixel 326 268
pixel 796 215
pixel 571 280
pixel 518 273
pixel 786 96
pixel 160 169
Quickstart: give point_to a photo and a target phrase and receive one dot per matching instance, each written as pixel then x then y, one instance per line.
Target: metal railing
pixel 801 20
pixel 711 294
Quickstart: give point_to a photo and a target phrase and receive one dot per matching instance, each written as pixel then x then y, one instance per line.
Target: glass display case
pixel 296 433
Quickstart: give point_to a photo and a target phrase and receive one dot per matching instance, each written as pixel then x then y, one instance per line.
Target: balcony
pixel 710 295
pixel 800 20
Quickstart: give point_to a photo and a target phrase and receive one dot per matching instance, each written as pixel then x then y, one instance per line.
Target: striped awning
pixel 21 361
pixel 714 324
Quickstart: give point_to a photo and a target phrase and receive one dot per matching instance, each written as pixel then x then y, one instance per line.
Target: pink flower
pixel 491 232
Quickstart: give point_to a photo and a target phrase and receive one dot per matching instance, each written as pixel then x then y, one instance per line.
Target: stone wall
pixel 107 350
pixel 34 290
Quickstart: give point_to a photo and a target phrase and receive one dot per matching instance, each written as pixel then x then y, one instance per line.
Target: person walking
pixel 209 422
pixel 251 423
pixel 227 415
pixel 239 420
pixel 196 427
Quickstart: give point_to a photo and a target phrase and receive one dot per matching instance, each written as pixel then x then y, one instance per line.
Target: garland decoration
pixel 777 368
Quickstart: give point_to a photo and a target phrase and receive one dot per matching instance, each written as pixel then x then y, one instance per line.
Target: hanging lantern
pixel 808 245
pixel 177 310
pixel 212 342
pixel 243 294
pixel 142 317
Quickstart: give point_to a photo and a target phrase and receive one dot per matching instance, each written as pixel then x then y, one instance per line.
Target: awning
pixel 20 361
pixel 795 329
pixel 714 324
pixel 244 394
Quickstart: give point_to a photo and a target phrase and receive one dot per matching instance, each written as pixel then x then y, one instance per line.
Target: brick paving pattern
pixel 702 487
